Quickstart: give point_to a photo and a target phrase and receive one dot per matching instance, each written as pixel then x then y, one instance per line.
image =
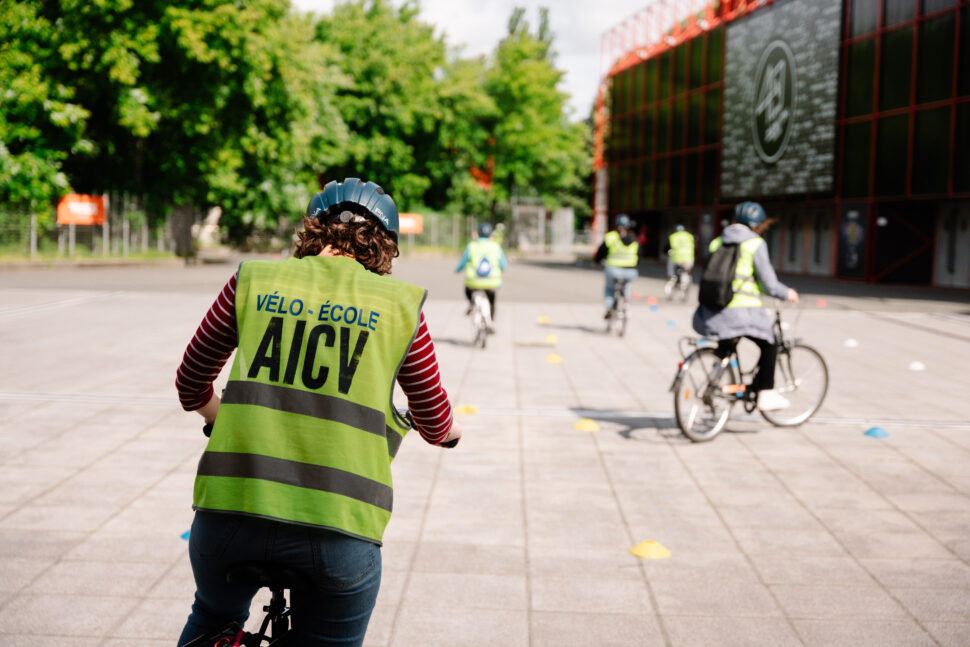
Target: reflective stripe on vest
pixel 747 290
pixel 492 252
pixel 306 430
pixel 681 247
pixel 618 254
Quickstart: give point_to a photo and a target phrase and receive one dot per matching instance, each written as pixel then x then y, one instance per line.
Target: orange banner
pixel 76 209
pixel 411 223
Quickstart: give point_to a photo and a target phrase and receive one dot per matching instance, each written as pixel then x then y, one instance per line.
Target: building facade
pixel 849 120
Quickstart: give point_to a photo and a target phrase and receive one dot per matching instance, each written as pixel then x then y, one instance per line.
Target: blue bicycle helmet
pixel 750 214
pixel 356 197
pixel 679 228
pixel 624 221
pixel 485 230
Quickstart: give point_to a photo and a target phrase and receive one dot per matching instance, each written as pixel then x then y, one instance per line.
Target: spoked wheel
pixel 802 377
pixel 622 317
pixel 669 287
pixel 701 408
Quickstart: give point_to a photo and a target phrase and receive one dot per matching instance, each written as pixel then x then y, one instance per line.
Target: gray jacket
pixel 740 322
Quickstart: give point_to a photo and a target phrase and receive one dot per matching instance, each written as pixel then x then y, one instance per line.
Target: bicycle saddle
pixel 272 576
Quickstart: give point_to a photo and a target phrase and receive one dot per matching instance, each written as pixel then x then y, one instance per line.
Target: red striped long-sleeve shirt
pixel 217 336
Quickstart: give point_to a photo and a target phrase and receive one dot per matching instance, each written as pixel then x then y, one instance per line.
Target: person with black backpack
pixel 738 272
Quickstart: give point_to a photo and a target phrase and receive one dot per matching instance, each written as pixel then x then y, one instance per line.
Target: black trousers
pixel 491 298
pixel 764 379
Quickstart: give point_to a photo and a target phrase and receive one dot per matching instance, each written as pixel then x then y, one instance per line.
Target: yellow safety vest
pixel 747 290
pixel 618 254
pixel 306 430
pixel 681 247
pixel 483 271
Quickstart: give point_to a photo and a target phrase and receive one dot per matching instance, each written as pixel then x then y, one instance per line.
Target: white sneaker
pixel 771 400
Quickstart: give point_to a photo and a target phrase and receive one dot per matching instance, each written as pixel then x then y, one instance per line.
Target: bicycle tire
pixel 701 412
pixel 624 315
pixel 802 377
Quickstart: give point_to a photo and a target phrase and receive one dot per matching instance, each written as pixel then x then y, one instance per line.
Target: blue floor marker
pixel 671 322
pixel 877 432
pixel 654 308
pixel 185 535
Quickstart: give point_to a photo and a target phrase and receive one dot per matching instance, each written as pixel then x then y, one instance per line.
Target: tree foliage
pixel 252 106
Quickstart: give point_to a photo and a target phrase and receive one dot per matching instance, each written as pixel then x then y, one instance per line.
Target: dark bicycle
pixel 619 313
pixel 707 385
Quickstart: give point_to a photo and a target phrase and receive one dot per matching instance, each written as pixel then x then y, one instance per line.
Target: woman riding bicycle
pixel 297 470
pixel 745 315
pixel 619 251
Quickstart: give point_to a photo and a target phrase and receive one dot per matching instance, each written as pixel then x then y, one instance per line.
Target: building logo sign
pixel 774 105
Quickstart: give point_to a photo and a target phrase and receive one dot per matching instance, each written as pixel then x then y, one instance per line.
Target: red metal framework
pixel 658 27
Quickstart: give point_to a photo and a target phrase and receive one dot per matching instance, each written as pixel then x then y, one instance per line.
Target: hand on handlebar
pixel 792 296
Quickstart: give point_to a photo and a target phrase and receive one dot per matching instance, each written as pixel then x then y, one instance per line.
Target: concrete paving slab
pixel 521 536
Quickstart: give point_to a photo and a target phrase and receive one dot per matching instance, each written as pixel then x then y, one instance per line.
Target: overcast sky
pixel 480 24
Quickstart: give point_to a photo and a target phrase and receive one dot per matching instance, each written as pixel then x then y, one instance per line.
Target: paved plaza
pixel 520 537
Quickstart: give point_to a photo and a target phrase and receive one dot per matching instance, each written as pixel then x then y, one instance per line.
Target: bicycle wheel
pixel 702 408
pixel 623 315
pixel 802 377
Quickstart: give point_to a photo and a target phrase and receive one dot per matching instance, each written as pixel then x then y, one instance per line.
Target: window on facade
pixel 712 117
pixel 633 188
pixel 863 17
pixel 646 132
pixel 690 179
pixel 677 133
pixel 641 84
pixel 935 64
pixel 897 63
pixel 660 185
pixel 862 60
pixel 891 140
pixel 961 142
pixel 930 6
pixel 855 160
pixel 646 179
pixel 680 70
pixel 694 120
pixel 696 51
pixel 676 179
pixel 897 11
pixel 715 55
pixel 709 173
pixel 633 95
pixel 664 76
pixel 636 149
pixel 964 81
pixel 650 88
pixel 931 151
pixel 663 127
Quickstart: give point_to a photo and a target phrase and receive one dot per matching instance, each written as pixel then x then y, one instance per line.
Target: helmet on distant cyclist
pixel 750 214
pixel 679 228
pixel 485 230
pixel 624 221
pixel 354 197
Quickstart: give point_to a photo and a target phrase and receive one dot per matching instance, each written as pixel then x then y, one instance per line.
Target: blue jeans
pixel 613 273
pixel 345 575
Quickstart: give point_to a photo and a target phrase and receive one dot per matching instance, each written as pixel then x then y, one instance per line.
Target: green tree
pixel 537 151
pixel 41 123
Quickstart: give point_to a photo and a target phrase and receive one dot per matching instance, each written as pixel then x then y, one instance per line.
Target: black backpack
pixel 716 289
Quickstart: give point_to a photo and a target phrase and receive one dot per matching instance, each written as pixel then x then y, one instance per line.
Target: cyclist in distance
pixel 745 315
pixel 297 468
pixel 680 251
pixel 619 253
pixel 483 262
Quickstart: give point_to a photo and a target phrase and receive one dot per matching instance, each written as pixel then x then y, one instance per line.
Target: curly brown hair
pixel 367 242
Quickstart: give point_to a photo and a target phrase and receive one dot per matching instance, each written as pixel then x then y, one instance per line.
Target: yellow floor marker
pixel 650 550
pixel 466 408
pixel 554 359
pixel 586 425
pixel 542 319
pixel 552 339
